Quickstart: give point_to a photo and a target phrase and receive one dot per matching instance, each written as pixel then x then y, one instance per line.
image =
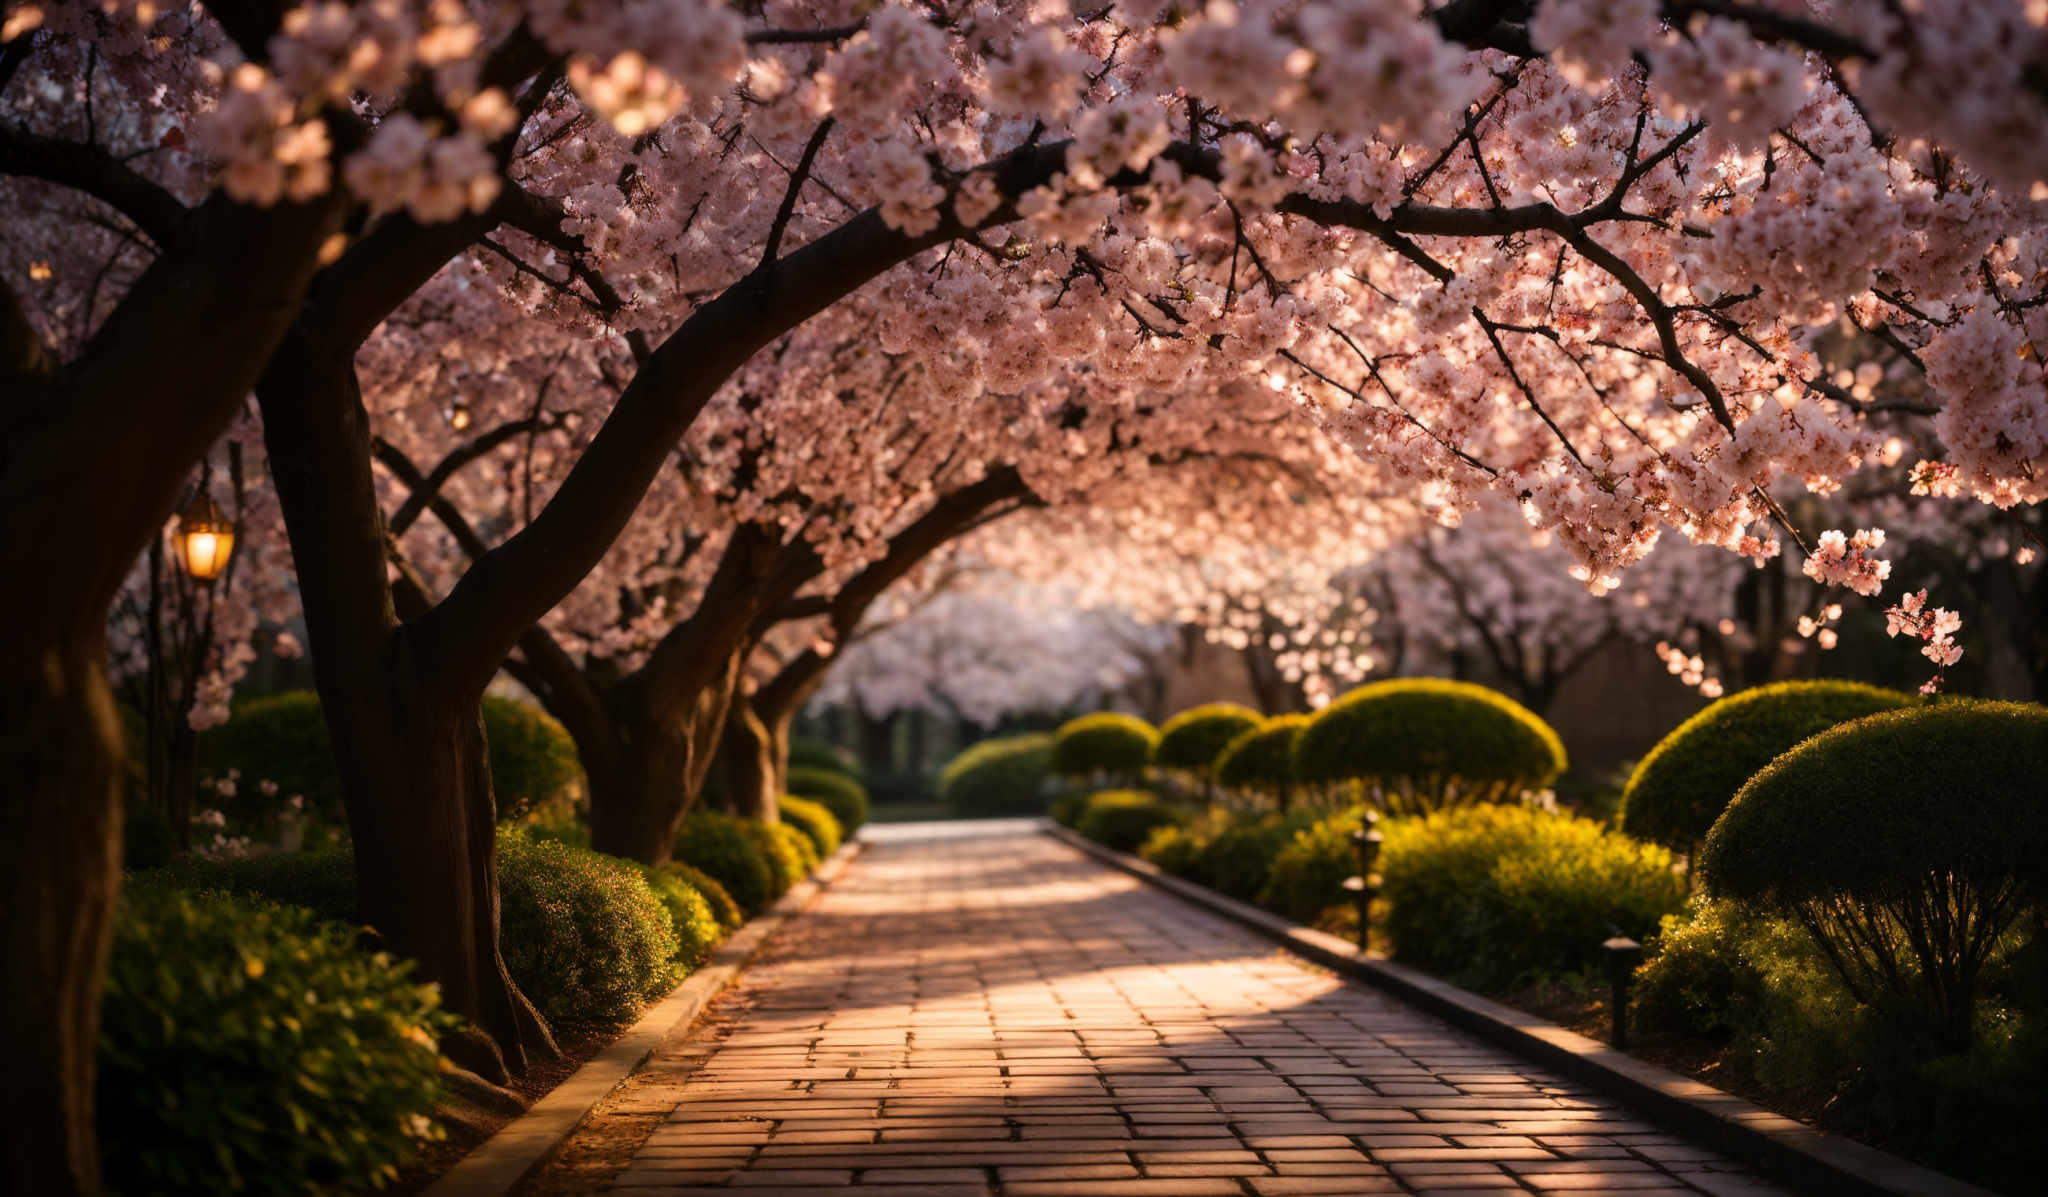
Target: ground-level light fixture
pixel 205 539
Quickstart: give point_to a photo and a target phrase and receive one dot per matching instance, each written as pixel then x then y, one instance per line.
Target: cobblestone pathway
pixel 996 1014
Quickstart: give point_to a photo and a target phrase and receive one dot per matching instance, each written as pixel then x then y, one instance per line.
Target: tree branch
pixel 93 171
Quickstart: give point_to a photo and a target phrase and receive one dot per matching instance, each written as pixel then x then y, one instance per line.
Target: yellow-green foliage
pixel 1105 742
pixel 815 820
pixel 840 791
pixel 721 845
pixel 790 854
pixel 581 933
pixel 1192 740
pixel 1427 742
pixel 252 1048
pixel 1307 877
pixel 1499 896
pixel 1124 819
pixel 723 908
pixel 1003 776
pixel 1261 760
pixel 689 913
pixel 1175 847
pixel 1685 783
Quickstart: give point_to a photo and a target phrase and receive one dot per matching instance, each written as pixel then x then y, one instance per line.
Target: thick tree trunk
pixel 668 738
pixel 60 843
pixel 753 774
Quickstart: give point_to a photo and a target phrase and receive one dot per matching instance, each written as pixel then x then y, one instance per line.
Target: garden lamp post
pixel 206 539
pixel 1365 843
pixel 459 416
pixel 1622 954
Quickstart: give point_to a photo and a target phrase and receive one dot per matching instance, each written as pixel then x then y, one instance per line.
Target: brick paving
pixel 993 1013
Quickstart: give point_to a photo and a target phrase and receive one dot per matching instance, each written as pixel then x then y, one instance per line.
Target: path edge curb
pixel 498 1164
pixel 1784 1150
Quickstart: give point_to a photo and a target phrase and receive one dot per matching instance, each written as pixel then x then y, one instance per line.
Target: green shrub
pixel 721 846
pixel 723 908
pixel 1261 760
pixel 1003 776
pixel 846 797
pixel 815 820
pixel 1685 783
pixel 806 752
pixel 1175 847
pixel 146 839
pixel 1424 743
pixel 1906 843
pixel 535 771
pixel 1106 742
pixel 1501 896
pixel 322 882
pixel 788 852
pixel 1710 971
pixel 582 934
pixel 1067 804
pixel 696 928
pixel 1192 740
pixel 1307 876
pixel 1238 860
pixel 250 1048
pixel 1122 819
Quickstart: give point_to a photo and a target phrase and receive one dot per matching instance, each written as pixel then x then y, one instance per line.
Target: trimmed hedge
pixel 697 929
pixel 1105 742
pixel 1238 861
pixel 1124 819
pixel 846 797
pixel 1925 825
pixel 815 820
pixel 789 853
pixel 1496 897
pixel 721 846
pixel 581 933
pixel 252 1048
pixel 1261 760
pixel 283 738
pixel 1192 740
pixel 806 752
pixel 723 908
pixel 1307 876
pixel 1685 783
pixel 322 882
pixel 1003 776
pixel 1428 742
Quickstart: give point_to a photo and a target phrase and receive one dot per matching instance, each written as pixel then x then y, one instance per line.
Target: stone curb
pixel 500 1162
pixel 1783 1149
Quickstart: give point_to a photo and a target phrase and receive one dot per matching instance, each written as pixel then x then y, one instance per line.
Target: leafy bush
pixel 1307 876
pixel 1067 804
pixel 1710 971
pixel 1123 819
pixel 1106 742
pixel 1425 743
pixel 726 911
pixel 582 934
pixel 1261 760
pixel 146 839
pixel 535 771
pixel 696 929
pixel 1500 896
pixel 1906 843
pixel 808 753
pixel 721 846
pixel 1238 860
pixel 846 797
pixel 1175 847
pixel 788 852
pixel 815 820
pixel 322 882
pixel 1192 740
pixel 250 1048
pixel 1003 776
pixel 1685 783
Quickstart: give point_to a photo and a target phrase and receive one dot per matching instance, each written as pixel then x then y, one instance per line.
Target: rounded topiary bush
pixel 581 933
pixel 789 853
pixel 723 908
pixel 322 882
pixel 535 771
pixel 1306 879
pixel 1003 776
pixel 252 1048
pixel 1106 742
pixel 1238 859
pixel 1685 783
pixel 280 738
pixel 815 820
pixel 696 928
pixel 1261 760
pixel 808 753
pixel 846 797
pixel 1192 740
pixel 1124 819
pixel 721 846
pixel 1421 743
pixel 1906 843
pixel 1498 896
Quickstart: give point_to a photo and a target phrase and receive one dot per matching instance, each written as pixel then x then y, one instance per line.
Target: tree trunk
pixel 668 744
pixel 753 773
pixel 60 844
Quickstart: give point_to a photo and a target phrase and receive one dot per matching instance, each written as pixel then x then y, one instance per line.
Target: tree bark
pixel 753 768
pixel 639 803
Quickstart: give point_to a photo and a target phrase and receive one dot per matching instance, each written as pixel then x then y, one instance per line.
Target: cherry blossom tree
pixel 1575 257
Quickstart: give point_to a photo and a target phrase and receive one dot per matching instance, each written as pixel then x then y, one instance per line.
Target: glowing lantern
pixel 205 539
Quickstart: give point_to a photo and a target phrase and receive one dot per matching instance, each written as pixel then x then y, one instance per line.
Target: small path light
pixel 458 416
pixel 1365 842
pixel 1622 954
pixel 206 540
